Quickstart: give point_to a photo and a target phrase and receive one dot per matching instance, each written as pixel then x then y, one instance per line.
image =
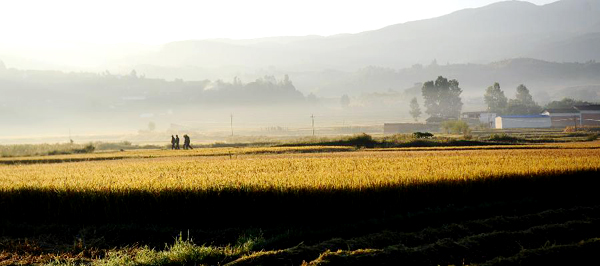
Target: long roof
pixel 593 107
pixel 478 112
pixel 524 116
pixel 562 111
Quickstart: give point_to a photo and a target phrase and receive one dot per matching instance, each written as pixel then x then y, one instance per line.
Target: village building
pixel 565 117
pixel 523 121
pixel 475 118
pixel 589 114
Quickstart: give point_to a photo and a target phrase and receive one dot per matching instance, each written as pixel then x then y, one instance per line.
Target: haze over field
pixel 109 69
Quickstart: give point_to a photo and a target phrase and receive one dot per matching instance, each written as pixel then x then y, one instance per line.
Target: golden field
pixel 294 167
pixel 485 197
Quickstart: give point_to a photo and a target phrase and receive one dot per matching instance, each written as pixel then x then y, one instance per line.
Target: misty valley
pixel 300 133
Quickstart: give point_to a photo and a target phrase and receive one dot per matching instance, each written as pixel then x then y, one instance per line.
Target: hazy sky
pixel 44 23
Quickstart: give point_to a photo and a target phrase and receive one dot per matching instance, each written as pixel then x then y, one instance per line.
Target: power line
pixel 231 122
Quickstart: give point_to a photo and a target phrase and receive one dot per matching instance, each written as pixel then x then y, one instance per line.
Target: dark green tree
pixel 495 99
pixel 415 110
pixel 442 97
pixel 286 80
pixel 523 103
pixel 565 103
pixel 524 96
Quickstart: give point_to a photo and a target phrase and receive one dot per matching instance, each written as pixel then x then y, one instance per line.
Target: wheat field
pixel 286 168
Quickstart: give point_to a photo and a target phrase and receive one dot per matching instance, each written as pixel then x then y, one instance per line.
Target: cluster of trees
pixel 523 102
pixel 442 99
pixel 265 90
pixel 31 90
pixel 565 103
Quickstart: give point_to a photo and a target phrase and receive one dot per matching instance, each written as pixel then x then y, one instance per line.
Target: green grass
pixel 567 235
pixel 182 252
pixel 393 141
pixel 44 149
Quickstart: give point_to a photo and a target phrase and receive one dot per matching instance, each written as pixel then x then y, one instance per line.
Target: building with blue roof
pixel 523 121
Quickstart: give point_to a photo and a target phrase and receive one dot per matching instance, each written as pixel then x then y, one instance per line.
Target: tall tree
pixel 286 80
pixel 442 97
pixel 524 96
pixel 495 99
pixel 415 110
pixel 523 103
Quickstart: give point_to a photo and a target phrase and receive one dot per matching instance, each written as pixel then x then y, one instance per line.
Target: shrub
pixel 456 126
pixel 44 149
pixel 359 140
pixel 422 135
pixel 87 149
pixel 504 138
pixel 582 128
pixel 362 140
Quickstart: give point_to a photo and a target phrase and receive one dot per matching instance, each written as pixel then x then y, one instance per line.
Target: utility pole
pixel 231 121
pixel 488 117
pixel 313 119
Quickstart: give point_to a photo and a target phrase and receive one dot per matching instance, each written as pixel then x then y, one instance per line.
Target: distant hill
pixel 564 31
pixel 540 76
pixel 549 80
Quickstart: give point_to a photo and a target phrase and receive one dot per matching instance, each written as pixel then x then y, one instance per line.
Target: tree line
pixel 523 102
pixel 442 100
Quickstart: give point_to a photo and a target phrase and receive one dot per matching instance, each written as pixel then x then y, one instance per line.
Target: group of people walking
pixel 175 142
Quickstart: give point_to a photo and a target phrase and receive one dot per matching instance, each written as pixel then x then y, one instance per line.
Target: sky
pixel 46 23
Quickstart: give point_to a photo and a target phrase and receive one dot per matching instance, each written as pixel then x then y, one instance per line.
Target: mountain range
pixel 282 81
pixel 563 31
pixel 511 41
pixel 512 33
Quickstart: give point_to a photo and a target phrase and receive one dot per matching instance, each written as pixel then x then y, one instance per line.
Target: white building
pixel 523 121
pixel 483 117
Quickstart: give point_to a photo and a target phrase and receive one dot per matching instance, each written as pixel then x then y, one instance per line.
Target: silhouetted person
pixel 177 142
pixel 186 142
pixel 172 142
